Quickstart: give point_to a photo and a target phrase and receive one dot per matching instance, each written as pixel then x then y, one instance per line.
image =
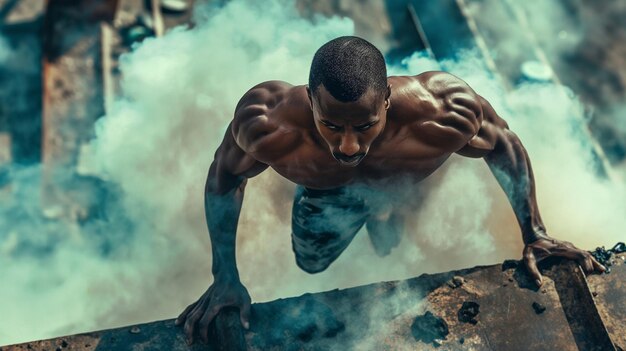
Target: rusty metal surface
pixel 379 316
pixel 513 315
pixel 72 100
pixel 580 309
pixel 162 335
pixel 506 321
pixel 83 342
pixel 21 11
pixel 610 299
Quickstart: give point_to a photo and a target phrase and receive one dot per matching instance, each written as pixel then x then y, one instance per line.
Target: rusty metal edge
pixel 574 293
pixel 580 309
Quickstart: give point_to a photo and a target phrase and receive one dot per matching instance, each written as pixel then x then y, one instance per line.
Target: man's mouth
pixel 349 160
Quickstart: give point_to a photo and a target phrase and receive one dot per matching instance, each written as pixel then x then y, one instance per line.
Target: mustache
pixel 343 157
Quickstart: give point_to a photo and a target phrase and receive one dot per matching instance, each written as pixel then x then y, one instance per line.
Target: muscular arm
pixel 508 161
pixel 223 197
pixel 248 134
pixel 252 136
pixel 465 123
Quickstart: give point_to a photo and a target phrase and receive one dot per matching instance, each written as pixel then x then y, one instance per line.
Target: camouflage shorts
pixel 323 223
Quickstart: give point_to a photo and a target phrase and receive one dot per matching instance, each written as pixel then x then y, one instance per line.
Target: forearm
pixel 222 215
pixel 510 164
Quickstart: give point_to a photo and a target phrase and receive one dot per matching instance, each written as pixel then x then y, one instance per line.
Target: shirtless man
pixel 353 127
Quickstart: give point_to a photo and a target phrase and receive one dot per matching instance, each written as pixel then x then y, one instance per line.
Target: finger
pixel 543 253
pixel 183 315
pixel 190 324
pixel 531 265
pixel 244 314
pixel 207 317
pixel 587 264
pixel 597 266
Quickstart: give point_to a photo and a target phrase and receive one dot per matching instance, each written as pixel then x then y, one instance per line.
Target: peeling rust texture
pixel 610 299
pixel 379 316
pixel 162 335
pixel 506 320
pixel 579 307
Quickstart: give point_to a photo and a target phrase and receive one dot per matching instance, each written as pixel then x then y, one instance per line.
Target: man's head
pixel 349 96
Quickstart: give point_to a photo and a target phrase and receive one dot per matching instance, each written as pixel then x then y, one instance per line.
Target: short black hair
pixel 348 66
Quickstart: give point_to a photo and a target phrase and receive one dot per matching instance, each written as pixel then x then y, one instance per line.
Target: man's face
pixel 349 128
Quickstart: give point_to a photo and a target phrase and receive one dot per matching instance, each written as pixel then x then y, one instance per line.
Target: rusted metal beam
pixel 529 34
pixel 106 57
pixel 5 163
pixel 157 18
pixel 609 292
pixel 420 31
pixel 72 96
pixel 6 8
pixel 580 308
pixel 77 17
pixel 510 314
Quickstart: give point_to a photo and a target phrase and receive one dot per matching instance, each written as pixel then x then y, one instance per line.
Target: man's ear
pixel 387 96
pixel 308 92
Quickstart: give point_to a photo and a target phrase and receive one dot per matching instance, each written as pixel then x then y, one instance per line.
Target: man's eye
pixel 365 127
pixel 331 126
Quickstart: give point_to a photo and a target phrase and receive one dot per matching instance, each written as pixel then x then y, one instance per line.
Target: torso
pixel 397 152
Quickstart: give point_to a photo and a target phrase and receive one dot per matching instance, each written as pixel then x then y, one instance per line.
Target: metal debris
pixel 135 330
pixel 604 256
pixel 175 6
pixel 539 308
pixel 536 71
pixel 429 328
pixel 458 281
pixel 468 311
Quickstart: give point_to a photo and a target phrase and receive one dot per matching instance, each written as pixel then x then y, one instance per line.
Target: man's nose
pixel 349 144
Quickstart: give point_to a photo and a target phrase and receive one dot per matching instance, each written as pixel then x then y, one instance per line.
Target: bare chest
pixel 312 165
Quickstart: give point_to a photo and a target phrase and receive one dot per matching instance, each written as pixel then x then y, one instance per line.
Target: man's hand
pixel 546 246
pixel 222 293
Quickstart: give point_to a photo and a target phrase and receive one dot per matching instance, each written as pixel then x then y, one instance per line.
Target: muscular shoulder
pixel 449 112
pixel 260 126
